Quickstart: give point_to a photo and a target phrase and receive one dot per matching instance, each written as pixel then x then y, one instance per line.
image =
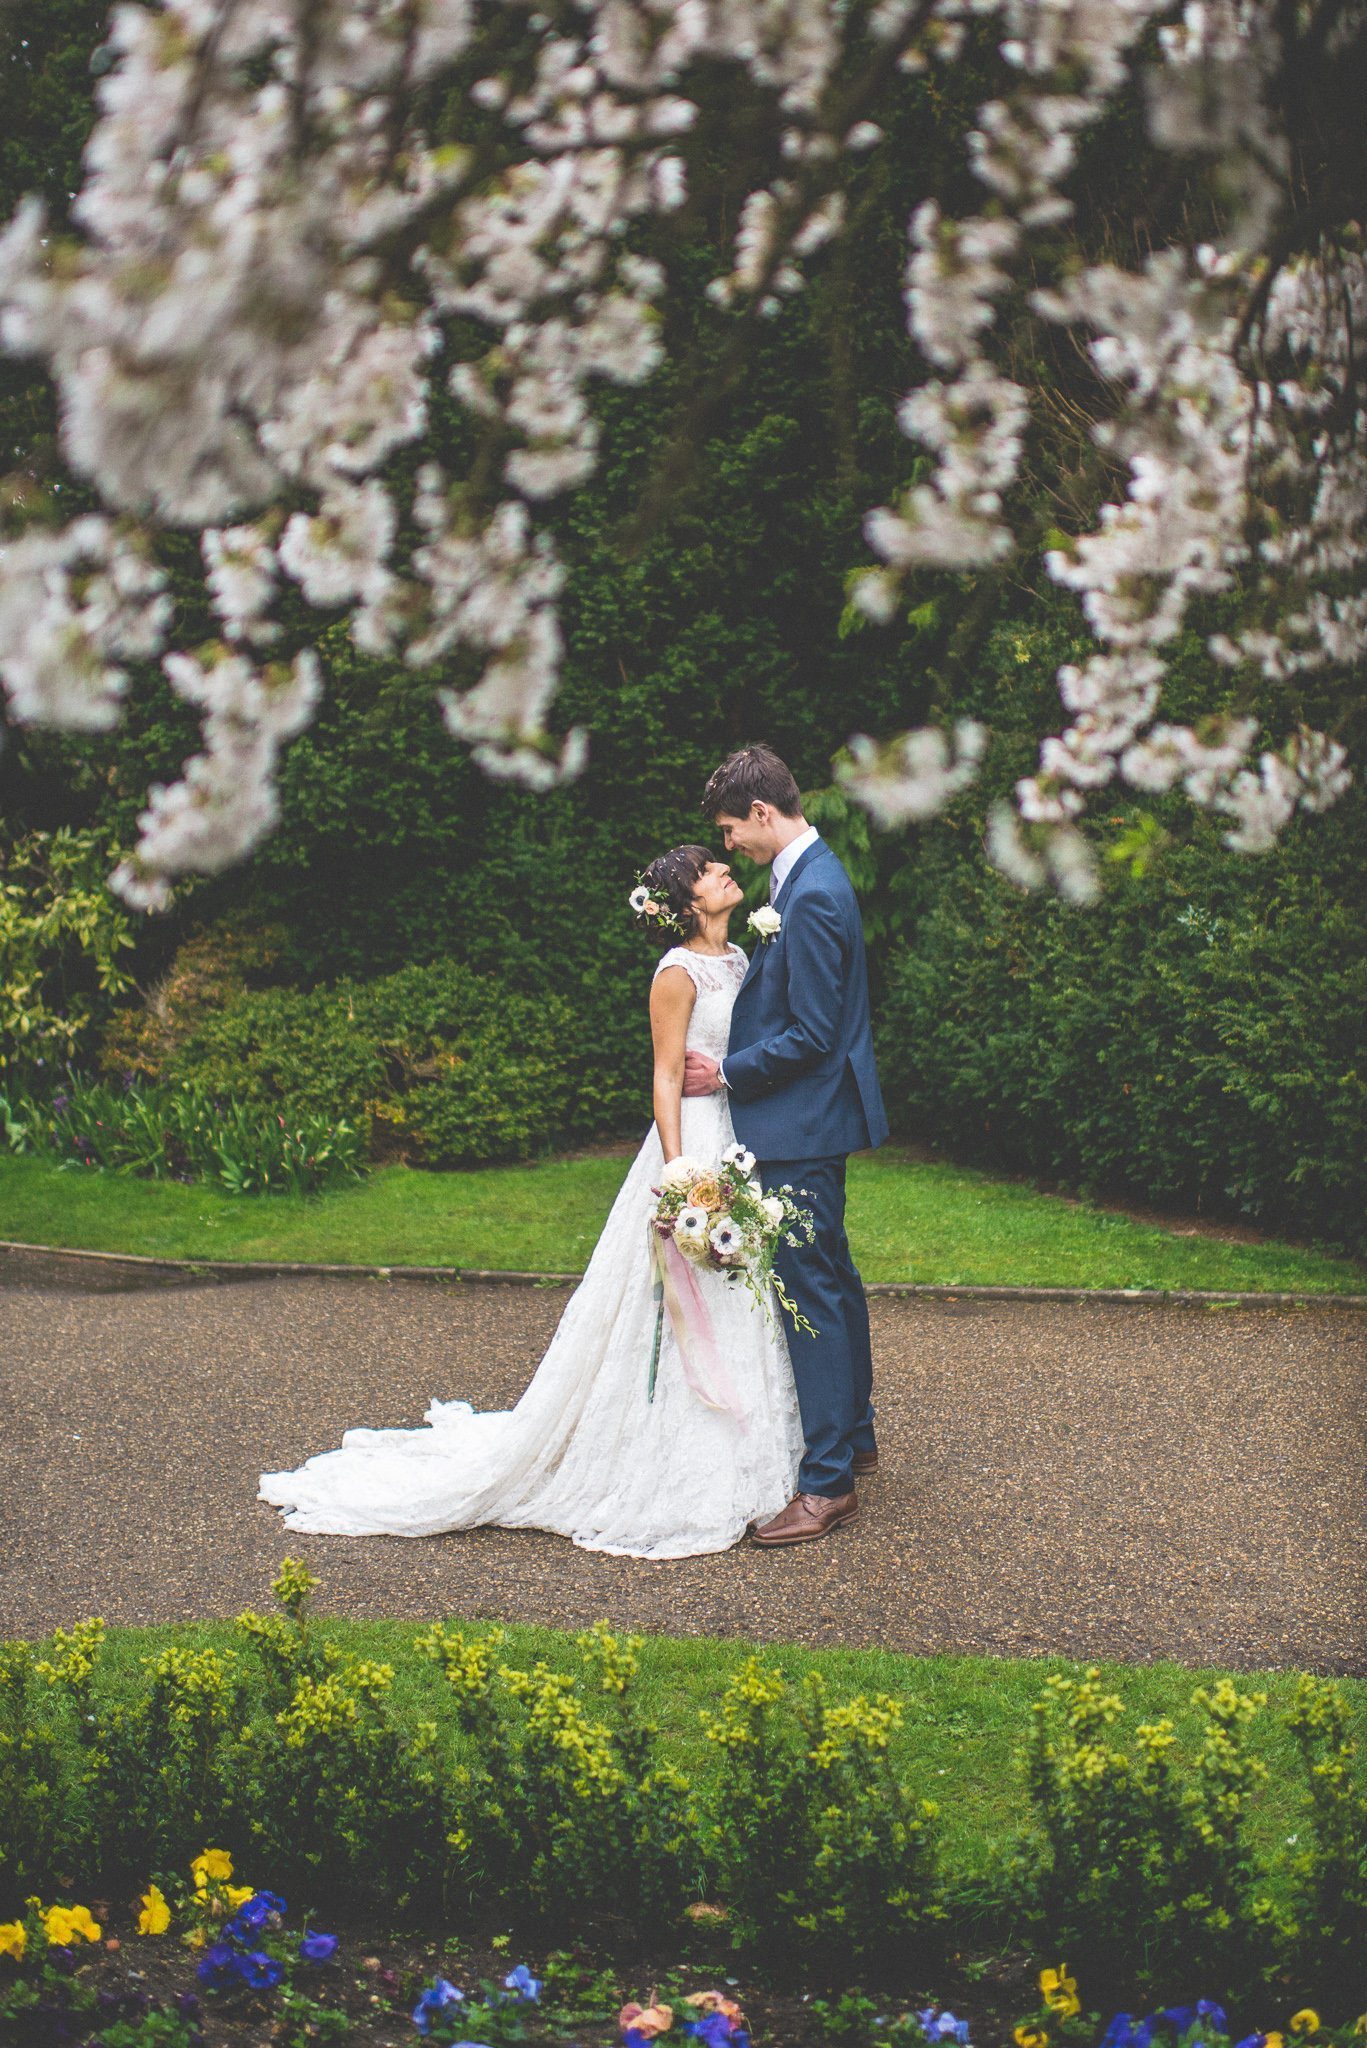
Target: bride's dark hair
pixel 670 882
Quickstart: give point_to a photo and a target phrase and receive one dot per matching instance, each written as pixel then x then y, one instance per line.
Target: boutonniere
pixel 765 923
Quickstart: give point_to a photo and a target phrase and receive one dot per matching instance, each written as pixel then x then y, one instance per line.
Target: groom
pixel 803 1088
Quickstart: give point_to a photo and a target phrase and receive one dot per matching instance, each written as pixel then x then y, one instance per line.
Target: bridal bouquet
pixel 720 1216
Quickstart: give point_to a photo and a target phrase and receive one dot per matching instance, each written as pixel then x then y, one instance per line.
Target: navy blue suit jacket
pixel 799 1067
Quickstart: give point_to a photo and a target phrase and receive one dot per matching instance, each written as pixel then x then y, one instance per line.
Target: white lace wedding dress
pixel 586 1452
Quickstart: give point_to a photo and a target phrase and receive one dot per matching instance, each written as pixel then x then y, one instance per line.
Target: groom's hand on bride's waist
pixel 702 1076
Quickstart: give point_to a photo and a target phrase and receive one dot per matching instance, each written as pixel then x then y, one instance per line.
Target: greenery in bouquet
pixel 720 1217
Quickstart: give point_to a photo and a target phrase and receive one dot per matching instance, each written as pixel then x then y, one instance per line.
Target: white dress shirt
pixel 783 862
pixel 779 870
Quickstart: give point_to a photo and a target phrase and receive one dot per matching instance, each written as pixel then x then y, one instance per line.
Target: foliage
pixel 1150 1878
pixel 1196 1039
pixel 555 1800
pixel 546 1795
pixel 819 1843
pixel 150 1778
pixel 35 1824
pixel 62 935
pixel 177 1132
pixel 1332 1867
pixel 328 1785
pixel 433 1063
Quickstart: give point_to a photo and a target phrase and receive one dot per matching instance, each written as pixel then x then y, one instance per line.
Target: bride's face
pixel 714 891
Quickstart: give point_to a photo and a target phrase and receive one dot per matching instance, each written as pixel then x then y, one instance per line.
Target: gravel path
pixel 1093 1480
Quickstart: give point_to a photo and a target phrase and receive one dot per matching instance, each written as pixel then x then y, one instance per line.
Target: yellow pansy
pixel 211 1863
pixel 13 1939
pixel 238 1894
pixel 1030 2037
pixel 1306 2021
pixel 1273 2041
pixel 155 1916
pixel 1060 1991
pixel 61 1924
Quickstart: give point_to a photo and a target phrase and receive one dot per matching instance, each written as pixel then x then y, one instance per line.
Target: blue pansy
pixel 434 2001
pixel 260 1970
pixel 1125 2031
pixel 253 1915
pixel 523 1983
pixel 1181 2018
pixel 716 2031
pixel 943 2026
pixel 317 1948
pixel 218 1964
pixel 1214 2015
pixel 1253 2041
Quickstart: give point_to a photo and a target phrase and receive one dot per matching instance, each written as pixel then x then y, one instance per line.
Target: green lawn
pixel 964 1718
pixel 908 1221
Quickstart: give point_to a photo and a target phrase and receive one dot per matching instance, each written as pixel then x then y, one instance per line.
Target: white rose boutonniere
pixel 765 923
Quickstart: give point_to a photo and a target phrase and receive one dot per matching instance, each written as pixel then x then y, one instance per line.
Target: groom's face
pixel 753 836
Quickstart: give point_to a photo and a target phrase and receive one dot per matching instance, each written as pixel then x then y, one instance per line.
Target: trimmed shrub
pixel 434 1064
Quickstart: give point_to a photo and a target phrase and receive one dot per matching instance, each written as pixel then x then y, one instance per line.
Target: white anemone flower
pixel 737 1156
pixel 690 1231
pixel 638 899
pixel 727 1238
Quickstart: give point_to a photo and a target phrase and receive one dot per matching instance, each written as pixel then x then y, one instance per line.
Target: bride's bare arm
pixel 672 996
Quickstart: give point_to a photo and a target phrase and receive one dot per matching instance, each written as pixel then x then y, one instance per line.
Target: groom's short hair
pixel 752 775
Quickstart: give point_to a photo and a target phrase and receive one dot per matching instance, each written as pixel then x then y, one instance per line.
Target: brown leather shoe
pixel 805 1519
pixel 864 1463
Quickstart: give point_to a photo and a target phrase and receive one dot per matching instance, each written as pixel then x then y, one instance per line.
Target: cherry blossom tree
pixel 281 227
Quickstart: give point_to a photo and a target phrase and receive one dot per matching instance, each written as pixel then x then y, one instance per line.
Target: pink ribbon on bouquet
pixel 704 1374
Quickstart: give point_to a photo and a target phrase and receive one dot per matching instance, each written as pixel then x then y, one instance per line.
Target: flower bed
pixel 224 1968
pixel 547 1799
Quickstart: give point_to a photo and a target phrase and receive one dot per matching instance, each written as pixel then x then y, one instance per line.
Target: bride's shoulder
pixel 677 956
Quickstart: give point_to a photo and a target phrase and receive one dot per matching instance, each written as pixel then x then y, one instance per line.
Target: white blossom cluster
pixel 74 604
pixel 274 271
pixel 1231 473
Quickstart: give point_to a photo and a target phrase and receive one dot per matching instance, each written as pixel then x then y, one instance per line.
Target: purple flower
pixel 317 1948
pixel 524 1984
pixel 60 1103
pixel 260 1970
pixel 187 2005
pixel 433 2002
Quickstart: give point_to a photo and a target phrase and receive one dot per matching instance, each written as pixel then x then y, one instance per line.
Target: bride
pixel 591 1451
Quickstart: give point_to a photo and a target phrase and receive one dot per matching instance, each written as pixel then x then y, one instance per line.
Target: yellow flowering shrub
pixel 1145 1867
pixel 819 1840
pixel 552 1802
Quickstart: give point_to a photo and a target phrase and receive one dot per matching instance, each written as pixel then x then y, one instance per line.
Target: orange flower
pixel 715 2001
pixel 649 2020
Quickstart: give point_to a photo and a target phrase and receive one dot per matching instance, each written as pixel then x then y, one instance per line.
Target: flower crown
pixel 649 905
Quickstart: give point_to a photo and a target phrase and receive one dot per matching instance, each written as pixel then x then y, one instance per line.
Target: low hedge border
pixel 101 1270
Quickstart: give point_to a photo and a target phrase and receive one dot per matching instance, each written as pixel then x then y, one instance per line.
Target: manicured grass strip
pixel 965 1719
pixel 908 1221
